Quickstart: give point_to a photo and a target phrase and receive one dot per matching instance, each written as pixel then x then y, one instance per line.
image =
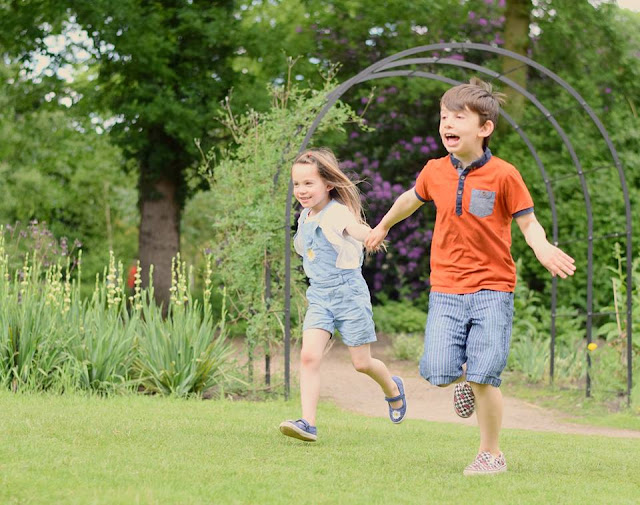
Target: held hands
pixel 361 232
pixel 555 260
pixel 375 240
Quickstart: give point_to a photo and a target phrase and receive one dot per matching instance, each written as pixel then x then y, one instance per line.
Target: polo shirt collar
pixel 482 160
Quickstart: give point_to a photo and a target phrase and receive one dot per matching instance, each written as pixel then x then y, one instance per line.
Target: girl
pixel 331 229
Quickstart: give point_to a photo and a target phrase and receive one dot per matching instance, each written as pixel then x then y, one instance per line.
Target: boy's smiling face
pixel 462 134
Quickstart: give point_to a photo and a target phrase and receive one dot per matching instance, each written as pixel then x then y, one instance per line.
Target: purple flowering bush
pixel 387 159
pixel 403 270
pixel 38 242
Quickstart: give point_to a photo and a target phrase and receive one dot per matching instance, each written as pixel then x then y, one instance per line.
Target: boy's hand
pixel 375 238
pixel 555 260
pixel 405 205
pixel 552 258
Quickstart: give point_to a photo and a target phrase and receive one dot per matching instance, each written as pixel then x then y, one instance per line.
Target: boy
pixel 473 275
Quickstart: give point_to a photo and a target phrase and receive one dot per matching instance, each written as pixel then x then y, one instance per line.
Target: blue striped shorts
pixel 473 328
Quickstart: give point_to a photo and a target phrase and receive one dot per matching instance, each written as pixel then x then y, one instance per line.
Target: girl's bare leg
pixel 314 342
pixel 376 369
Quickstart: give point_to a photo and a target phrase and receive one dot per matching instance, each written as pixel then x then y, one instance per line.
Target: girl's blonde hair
pixel 344 189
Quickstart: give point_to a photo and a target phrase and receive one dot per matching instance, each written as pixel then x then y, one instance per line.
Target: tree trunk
pixel 159 234
pixel 516 39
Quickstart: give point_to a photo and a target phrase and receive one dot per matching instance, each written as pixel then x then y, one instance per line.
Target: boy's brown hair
pixel 477 96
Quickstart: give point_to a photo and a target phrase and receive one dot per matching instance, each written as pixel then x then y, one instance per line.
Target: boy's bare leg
pixel 489 407
pixel 314 342
pixel 363 362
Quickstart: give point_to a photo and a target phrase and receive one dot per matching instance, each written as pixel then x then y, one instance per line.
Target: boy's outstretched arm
pixel 551 257
pixel 405 205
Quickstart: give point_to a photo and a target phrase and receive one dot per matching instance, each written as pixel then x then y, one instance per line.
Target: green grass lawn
pixel 142 450
pixel 598 410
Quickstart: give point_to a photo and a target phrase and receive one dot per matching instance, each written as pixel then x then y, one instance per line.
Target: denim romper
pixel 338 298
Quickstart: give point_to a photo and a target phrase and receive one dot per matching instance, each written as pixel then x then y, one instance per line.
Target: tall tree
pixel 516 39
pixel 161 70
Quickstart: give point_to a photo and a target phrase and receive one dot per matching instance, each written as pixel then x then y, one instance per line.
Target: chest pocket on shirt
pixel 482 202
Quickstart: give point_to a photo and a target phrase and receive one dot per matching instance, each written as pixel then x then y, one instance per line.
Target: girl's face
pixel 311 190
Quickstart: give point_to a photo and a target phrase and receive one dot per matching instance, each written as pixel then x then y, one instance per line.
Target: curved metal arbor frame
pixel 391 67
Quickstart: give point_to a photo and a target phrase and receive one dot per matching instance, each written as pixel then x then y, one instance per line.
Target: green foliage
pixel 531 338
pixel 408 346
pixel 394 317
pixel 608 372
pixel 104 334
pixel 103 347
pixel 48 165
pixel 601 65
pixel 530 352
pixel 354 33
pixel 531 357
pixel 609 360
pixel 159 68
pixel 570 363
pixel 152 75
pixel 55 341
pixel 615 332
pixel 32 329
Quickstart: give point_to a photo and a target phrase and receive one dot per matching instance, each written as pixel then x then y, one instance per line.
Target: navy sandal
pixel 397 415
pixel 299 429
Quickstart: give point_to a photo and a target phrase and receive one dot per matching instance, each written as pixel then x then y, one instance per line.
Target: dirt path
pixel 357 392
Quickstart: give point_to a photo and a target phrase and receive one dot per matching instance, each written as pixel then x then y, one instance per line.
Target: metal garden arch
pixel 392 67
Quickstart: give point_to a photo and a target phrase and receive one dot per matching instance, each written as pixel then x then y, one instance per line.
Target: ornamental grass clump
pixel 32 323
pixel 51 339
pixel 186 353
pixel 104 335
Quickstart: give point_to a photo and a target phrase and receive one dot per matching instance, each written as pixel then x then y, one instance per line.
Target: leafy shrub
pixel 615 331
pixel 393 317
pixel 608 371
pixel 530 356
pixel 609 361
pixel 570 364
pixel 408 346
pixel 32 330
pixel 183 355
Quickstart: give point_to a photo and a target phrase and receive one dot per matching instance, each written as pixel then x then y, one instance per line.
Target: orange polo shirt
pixel 471 246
